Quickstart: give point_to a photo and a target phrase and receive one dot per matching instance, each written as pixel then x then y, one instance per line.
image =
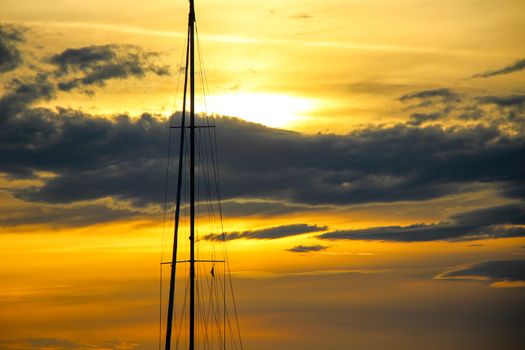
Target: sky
pixel 371 164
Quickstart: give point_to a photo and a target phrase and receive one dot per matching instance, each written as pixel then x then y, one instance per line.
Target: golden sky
pixel 371 175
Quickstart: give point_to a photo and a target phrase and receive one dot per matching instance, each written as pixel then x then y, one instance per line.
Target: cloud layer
pixel 495 271
pixel 511 68
pixel 268 233
pixel 10 54
pixel 122 157
pixel 307 248
pixel 494 222
pixel 94 65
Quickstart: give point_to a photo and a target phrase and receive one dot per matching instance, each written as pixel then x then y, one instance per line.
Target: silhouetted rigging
pixel 204 317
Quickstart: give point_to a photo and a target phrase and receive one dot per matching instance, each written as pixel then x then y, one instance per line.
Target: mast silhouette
pixel 192 175
pixel 190 56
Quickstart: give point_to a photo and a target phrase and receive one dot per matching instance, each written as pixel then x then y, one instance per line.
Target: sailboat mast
pixel 192 176
pixel 171 301
pixel 189 81
pixel 190 56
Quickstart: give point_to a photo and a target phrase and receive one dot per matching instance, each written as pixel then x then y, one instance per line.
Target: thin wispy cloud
pixel 96 64
pixel 10 53
pixel 307 248
pixel 492 222
pixel 511 68
pixel 268 233
pixel 239 39
pixel 500 273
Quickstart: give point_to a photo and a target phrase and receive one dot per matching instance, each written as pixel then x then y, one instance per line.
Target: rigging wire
pixel 208 181
pixel 219 203
pixel 213 134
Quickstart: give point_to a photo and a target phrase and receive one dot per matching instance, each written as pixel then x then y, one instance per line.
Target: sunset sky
pixel 372 158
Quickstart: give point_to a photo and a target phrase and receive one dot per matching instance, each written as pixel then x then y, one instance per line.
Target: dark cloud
pixel 494 222
pixel 10 56
pixel 254 207
pixel 432 105
pixel 494 271
pixel 307 248
pixel 420 118
pixel 268 233
pixel 510 110
pixel 94 65
pixel 22 92
pixel 124 157
pixel 503 101
pixel 446 107
pixel 514 67
pixel 82 215
pixel 83 67
pixel 424 97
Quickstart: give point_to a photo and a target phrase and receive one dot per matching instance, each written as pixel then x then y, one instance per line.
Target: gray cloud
pixel 307 248
pixel 268 233
pixel 425 97
pixel 94 65
pixel 492 222
pixel 10 56
pixel 421 118
pixel 503 101
pixel 124 157
pixel 433 105
pixel 514 67
pixel 254 207
pixel 83 67
pixel 82 215
pixel 22 92
pixel 444 106
pixel 494 271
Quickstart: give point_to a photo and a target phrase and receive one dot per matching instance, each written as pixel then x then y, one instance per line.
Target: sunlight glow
pixel 273 110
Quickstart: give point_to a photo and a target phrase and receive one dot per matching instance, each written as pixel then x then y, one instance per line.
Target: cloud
pixel 501 273
pixel 420 118
pixel 434 105
pixel 255 207
pixel 493 222
pixel 307 248
pixel 446 107
pixel 22 92
pixel 503 101
pixel 514 67
pixel 10 55
pixel 425 96
pixel 80 215
pixel 94 65
pixel 123 157
pixel 268 233
pixel 75 68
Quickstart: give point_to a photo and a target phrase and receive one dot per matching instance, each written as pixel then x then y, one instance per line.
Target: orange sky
pixel 376 200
